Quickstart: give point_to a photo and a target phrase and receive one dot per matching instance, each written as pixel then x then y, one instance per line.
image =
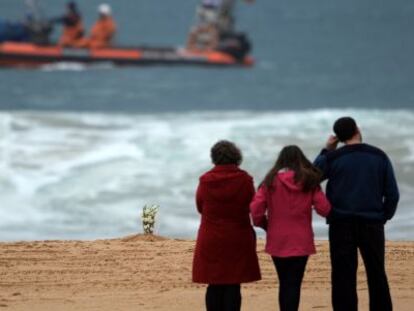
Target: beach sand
pixel 154 273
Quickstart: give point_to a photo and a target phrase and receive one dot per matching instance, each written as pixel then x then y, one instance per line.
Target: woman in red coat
pixel 225 254
pixel 283 207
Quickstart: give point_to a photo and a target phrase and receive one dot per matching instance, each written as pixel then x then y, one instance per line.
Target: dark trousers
pixel 223 297
pixel 290 271
pixel 345 240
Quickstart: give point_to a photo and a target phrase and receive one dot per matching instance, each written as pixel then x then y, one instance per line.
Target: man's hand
pixel 332 143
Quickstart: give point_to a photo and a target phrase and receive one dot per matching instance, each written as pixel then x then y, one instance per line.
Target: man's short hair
pixel 225 152
pixel 345 128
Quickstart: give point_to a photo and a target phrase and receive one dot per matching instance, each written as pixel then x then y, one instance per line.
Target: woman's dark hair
pixel 292 158
pixel 345 128
pixel 225 152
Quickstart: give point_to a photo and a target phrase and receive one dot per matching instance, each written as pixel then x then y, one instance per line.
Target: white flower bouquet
pixel 149 212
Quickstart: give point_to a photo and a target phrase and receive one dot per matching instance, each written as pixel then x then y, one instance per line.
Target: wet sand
pixel 154 273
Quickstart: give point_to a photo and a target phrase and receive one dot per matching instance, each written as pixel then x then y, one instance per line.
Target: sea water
pixel 78 175
pixel 82 149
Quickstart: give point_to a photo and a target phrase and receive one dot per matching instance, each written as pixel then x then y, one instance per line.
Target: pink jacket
pixel 286 214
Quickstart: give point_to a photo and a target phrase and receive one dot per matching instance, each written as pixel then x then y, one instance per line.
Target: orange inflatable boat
pixel 14 54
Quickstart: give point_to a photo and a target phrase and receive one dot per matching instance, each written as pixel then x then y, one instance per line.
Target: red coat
pixel 286 213
pixel 225 251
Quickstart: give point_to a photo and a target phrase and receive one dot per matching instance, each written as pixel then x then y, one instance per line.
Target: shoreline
pixel 154 273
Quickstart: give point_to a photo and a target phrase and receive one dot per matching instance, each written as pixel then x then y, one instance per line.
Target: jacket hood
pixel 224 182
pixel 287 178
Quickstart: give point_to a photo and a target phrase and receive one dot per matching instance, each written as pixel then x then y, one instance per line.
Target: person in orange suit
pixel 73 30
pixel 103 31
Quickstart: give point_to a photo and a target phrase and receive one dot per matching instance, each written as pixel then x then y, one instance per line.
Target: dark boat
pixel 16 54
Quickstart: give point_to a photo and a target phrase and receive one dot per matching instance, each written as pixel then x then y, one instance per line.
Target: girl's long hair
pixel 292 158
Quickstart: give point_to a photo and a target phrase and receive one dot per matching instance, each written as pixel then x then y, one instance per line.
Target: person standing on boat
pixel 73 29
pixel 215 30
pixel 219 12
pixel 226 18
pixel 203 37
pixel 103 32
pixel 207 12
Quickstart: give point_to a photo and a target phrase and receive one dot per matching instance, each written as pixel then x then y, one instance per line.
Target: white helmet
pixel 104 9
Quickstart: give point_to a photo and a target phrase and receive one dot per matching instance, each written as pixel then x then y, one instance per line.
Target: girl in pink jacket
pixel 283 208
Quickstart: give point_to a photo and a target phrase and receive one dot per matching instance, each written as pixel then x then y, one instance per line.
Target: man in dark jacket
pixel 364 195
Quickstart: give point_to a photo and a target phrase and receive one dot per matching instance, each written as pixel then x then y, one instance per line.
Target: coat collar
pixel 225 168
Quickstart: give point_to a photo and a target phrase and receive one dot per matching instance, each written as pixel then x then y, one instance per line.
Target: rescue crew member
pixel 215 29
pixel 226 20
pixel 220 12
pixel 103 32
pixel 208 11
pixel 203 37
pixel 73 30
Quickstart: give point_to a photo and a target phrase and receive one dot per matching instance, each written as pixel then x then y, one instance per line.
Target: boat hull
pixel 30 55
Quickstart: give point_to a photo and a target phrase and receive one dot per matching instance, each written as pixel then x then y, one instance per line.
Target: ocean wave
pixel 68 175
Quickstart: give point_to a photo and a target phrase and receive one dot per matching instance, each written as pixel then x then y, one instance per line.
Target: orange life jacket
pixel 102 33
pixel 72 34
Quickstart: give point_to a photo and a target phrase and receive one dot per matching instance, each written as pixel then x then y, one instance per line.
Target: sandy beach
pixel 154 273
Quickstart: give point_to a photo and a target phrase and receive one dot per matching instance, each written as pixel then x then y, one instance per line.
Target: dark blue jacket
pixel 361 183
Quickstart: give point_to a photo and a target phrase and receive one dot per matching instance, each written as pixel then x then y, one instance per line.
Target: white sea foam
pixel 63 66
pixel 75 66
pixel 67 175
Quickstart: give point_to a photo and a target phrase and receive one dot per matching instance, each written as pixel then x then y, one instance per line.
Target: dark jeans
pixel 223 297
pixel 290 271
pixel 345 240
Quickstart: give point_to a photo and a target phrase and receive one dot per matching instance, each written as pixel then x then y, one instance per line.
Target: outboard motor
pixel 236 44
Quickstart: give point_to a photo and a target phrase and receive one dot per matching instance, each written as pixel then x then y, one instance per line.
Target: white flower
pixel 149 213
